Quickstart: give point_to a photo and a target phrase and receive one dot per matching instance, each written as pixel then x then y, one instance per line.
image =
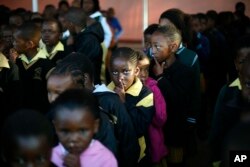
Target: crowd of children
pixel 71 97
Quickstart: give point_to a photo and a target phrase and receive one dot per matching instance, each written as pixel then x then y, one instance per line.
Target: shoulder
pixel 98 153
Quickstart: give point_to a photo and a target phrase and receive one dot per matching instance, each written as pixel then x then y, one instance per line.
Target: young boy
pixel 51 33
pixel 33 67
pixel 85 39
pixel 229 102
pixel 27 140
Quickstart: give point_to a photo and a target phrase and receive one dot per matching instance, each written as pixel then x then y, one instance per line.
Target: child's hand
pixel 158 68
pixel 120 90
pixel 72 160
pixel 70 40
pixel 13 55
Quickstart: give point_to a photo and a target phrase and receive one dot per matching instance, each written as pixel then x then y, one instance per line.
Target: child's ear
pixel 54 124
pixel 137 71
pixel 174 47
pixel 30 44
pixel 96 126
pixel 86 80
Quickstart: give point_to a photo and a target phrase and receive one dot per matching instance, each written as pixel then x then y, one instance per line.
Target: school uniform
pixel 33 78
pixel 88 42
pixel 190 59
pixel 9 87
pixel 139 105
pixel 56 54
pixel 228 108
pixel 127 143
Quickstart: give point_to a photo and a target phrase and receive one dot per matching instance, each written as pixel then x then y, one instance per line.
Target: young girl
pixel 175 81
pixel 72 73
pixel 76 120
pixel 27 140
pixel 158 149
pixel 137 98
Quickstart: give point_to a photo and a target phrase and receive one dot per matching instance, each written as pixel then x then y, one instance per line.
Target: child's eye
pixel 114 72
pixel 19 161
pixel 126 72
pixel 41 159
pixel 247 84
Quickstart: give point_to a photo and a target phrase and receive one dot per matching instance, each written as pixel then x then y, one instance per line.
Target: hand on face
pixel 71 160
pixel 159 67
pixel 120 90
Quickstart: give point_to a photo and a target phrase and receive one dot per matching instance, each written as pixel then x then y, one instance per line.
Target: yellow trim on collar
pixel 133 90
pixel 59 47
pixel 236 83
pixel 41 54
pixel 4 63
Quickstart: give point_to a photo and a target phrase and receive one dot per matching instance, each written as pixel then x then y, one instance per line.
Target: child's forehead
pixel 31 141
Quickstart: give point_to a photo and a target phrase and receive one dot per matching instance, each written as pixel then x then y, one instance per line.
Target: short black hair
pixel 63 2
pixel 30 31
pixel 77 16
pixel 243 42
pixel 150 29
pixel 124 52
pixel 59 25
pixel 74 99
pixel 26 123
pixel 75 65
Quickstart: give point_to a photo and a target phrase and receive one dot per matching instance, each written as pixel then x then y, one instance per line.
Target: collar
pixel 133 90
pixel 4 63
pixel 41 54
pixel 59 47
pixel 102 88
pixel 236 83
pixel 180 49
pixel 96 14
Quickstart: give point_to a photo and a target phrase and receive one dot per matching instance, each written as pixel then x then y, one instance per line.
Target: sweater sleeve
pixel 141 113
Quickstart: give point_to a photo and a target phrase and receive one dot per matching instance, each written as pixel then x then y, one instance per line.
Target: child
pixel 51 33
pixel 228 104
pixel 137 98
pixel 27 140
pixel 76 121
pixel 71 73
pixel 33 67
pixel 158 149
pixel 147 38
pixel 85 39
pixel 175 81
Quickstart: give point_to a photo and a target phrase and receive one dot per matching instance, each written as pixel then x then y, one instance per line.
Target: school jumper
pixel 88 42
pixel 96 155
pixel 176 85
pixel 57 54
pixel 139 105
pixel 33 78
pixel 128 147
pixel 228 109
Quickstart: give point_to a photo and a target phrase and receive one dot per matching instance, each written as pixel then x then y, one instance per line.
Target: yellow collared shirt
pixel 236 83
pixel 58 47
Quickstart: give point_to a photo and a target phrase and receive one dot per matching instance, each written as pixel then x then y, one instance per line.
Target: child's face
pixel 241 56
pixel 147 41
pixel 196 26
pixel 144 67
pixel 245 84
pixel 160 47
pixel 88 6
pixel 50 33
pixel 19 43
pixel 123 72
pixel 8 36
pixel 57 84
pixel 32 151
pixel 75 129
